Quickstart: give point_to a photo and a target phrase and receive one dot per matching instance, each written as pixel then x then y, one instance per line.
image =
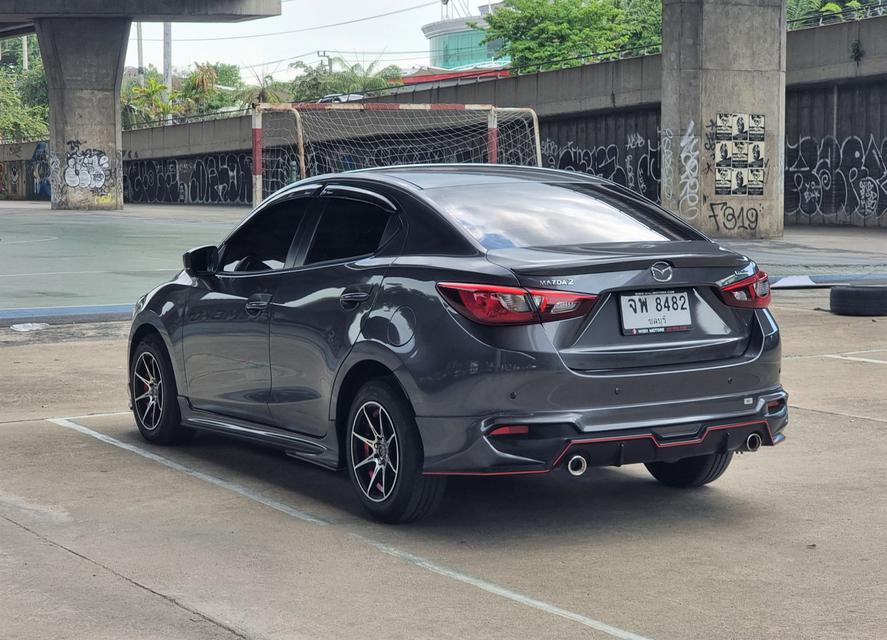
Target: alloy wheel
pixel 147 387
pixel 375 453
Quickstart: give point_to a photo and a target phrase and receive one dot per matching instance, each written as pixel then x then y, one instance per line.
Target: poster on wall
pixel 740 126
pixel 740 180
pixel 724 154
pixel 724 127
pixel 755 182
pixel 756 127
pixel 723 182
pixel 740 154
pixel 756 155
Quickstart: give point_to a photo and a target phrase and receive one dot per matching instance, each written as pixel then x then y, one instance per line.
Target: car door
pixel 316 314
pixel 226 330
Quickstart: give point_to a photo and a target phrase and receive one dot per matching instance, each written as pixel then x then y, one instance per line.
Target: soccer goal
pixel 296 140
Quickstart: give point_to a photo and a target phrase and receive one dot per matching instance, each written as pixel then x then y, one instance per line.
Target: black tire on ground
pixel 380 413
pixel 691 472
pixel 861 300
pixel 154 397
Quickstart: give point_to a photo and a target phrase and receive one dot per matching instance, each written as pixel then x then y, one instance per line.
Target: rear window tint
pixel 539 214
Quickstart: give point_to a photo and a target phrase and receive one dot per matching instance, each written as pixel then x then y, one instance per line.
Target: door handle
pixel 257 303
pixel 352 297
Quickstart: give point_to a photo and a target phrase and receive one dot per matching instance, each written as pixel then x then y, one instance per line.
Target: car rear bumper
pixel 551 440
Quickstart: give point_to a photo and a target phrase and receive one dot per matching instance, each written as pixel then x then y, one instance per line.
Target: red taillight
pixel 560 305
pixel 489 304
pixel 751 293
pixel 494 304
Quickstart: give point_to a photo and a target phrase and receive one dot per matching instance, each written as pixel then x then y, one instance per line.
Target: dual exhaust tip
pixel 578 465
pixel 753 442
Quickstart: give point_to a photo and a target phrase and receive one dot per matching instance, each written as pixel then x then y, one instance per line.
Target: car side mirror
pixel 201 261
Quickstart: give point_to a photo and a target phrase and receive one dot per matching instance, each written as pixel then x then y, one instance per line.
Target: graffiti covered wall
pixel 621 146
pixel 219 178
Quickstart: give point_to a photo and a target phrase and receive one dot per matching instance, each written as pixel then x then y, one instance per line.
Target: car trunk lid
pixel 700 327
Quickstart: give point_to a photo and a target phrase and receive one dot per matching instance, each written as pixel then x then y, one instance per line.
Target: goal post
pixel 292 141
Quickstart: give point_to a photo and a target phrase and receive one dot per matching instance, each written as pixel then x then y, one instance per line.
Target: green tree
pixel 228 76
pixel 643 22
pixel 11 52
pixel 346 77
pixel 541 34
pixel 266 89
pixel 19 121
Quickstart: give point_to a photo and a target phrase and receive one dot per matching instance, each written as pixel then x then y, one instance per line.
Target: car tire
pixel 154 398
pixel 380 414
pixel 691 472
pixel 862 300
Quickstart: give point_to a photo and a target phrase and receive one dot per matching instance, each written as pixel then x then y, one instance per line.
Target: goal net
pixel 298 140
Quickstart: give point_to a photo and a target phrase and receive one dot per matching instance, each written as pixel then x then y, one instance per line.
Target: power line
pixel 304 29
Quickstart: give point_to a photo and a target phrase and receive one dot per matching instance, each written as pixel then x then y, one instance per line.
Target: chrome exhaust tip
pixel 577 465
pixel 753 442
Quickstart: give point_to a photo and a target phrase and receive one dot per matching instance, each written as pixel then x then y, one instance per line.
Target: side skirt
pixel 293 445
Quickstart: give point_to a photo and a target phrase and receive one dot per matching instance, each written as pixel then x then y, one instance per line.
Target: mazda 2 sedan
pixel 417 322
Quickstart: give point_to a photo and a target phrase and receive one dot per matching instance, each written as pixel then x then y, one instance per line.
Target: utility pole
pixel 141 69
pixel 167 57
pixel 24 53
pixel 329 59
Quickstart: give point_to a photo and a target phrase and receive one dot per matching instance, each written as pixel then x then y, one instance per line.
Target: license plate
pixel 659 312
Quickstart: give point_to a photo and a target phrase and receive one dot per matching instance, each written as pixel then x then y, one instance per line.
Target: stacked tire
pixel 859 300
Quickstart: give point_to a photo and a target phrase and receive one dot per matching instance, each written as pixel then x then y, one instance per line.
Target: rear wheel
pixel 691 472
pixel 385 456
pixel 154 398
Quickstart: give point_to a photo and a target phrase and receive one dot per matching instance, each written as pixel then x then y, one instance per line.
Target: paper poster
pixel 723 182
pixel 724 127
pixel 740 126
pixel 756 127
pixel 723 154
pixel 740 180
pixel 740 154
pixel 755 182
pixel 756 155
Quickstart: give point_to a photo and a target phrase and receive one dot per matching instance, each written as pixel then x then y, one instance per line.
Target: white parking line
pixel 855 359
pixel 405 556
pixel 224 484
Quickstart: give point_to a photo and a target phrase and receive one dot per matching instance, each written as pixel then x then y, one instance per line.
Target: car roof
pixel 432 176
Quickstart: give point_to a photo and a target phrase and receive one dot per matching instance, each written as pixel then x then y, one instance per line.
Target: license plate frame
pixel 673 321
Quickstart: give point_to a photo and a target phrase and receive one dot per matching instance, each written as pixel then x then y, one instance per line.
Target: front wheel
pixel 154 398
pixel 385 456
pixel 691 472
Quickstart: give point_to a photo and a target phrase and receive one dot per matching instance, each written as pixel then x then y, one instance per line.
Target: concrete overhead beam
pixel 25 11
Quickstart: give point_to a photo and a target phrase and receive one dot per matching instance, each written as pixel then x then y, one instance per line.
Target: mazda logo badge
pixel 661 271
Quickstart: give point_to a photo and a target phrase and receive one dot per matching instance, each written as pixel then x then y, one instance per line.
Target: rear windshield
pixel 539 214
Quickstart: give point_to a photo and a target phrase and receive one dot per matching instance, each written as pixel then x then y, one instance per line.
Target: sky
pixel 395 39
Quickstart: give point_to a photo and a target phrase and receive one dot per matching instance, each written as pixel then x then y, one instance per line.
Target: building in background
pixel 455 44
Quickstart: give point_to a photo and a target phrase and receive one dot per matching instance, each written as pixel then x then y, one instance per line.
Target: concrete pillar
pixel 723 115
pixel 84 58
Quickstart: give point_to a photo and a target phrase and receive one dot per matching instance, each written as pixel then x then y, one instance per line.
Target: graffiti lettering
pixel 842 180
pixel 725 216
pixel 223 178
pixel 639 171
pixel 688 204
pixel 667 162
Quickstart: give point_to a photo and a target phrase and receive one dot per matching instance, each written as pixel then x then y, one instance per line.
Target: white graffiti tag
pixel 87 169
pixel 688 205
pixel 667 168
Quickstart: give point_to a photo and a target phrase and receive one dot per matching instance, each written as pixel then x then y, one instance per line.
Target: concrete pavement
pixel 102 535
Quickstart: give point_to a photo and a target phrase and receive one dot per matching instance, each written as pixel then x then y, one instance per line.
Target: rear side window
pixel 347 229
pixel 263 242
pixel 538 214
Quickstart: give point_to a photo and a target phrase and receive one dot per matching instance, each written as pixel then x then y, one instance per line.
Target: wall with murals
pixel 834 167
